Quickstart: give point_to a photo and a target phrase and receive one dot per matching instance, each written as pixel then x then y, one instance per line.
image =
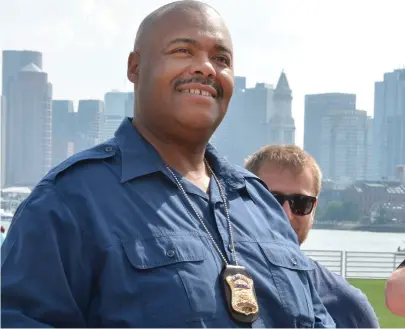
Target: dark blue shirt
pixel 106 239
pixel 348 306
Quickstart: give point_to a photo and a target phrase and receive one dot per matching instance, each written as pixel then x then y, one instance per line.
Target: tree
pixel 338 211
pixel 334 211
pixel 353 212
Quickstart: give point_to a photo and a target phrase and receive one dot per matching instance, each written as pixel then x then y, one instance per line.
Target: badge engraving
pixel 243 298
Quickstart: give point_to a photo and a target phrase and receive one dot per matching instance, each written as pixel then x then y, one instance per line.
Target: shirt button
pixel 170 253
pixel 294 261
pixel 230 247
pixel 108 149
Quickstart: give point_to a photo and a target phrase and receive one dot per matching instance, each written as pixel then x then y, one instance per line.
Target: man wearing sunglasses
pixel 294 178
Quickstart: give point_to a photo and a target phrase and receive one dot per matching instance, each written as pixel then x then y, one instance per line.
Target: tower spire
pixel 282 84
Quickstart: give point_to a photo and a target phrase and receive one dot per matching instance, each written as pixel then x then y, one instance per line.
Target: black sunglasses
pixel 300 204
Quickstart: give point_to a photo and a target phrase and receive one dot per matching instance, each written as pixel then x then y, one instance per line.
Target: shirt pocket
pixel 175 278
pixel 289 269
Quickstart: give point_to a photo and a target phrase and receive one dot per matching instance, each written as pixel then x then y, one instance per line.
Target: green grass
pixel 374 290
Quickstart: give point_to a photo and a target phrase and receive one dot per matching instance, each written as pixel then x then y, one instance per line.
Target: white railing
pixel 358 264
pixel 332 259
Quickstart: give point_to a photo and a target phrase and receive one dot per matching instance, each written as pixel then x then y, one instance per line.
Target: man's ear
pixel 314 209
pixel 133 67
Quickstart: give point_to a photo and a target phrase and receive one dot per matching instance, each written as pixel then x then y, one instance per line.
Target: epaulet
pixel 249 175
pixel 244 172
pixel 99 152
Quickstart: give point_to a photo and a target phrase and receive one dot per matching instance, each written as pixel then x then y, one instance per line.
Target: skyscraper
pixel 116 102
pixel 89 124
pixel 256 117
pixel 228 136
pixel 267 117
pixel 240 83
pixel 63 129
pixel 389 123
pixel 345 145
pixel 13 62
pixel 117 105
pixel 281 123
pixel 29 141
pixel 316 107
pixel 130 105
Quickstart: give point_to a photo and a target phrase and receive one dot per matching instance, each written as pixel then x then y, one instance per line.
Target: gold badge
pixel 243 297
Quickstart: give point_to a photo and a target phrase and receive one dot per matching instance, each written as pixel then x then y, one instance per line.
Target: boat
pixel 6 216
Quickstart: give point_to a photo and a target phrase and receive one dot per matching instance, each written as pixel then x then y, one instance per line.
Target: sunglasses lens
pixel 302 205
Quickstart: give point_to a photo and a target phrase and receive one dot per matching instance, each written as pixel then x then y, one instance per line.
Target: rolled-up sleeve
pixel 45 275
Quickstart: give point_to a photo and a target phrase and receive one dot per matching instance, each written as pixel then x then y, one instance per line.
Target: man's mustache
pixel 203 81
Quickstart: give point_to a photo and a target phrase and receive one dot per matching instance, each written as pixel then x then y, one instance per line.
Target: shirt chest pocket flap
pixel 289 268
pixel 173 276
pixel 286 256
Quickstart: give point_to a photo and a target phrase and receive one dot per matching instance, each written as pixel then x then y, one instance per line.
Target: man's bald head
pixel 153 18
pixel 182 70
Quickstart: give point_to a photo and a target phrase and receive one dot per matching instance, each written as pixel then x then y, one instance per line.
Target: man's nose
pixel 203 66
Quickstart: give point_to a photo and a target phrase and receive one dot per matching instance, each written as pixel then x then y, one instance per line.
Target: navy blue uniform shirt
pixel 106 239
pixel 348 306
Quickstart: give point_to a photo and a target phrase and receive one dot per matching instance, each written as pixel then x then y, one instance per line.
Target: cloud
pixel 57 25
pixel 336 45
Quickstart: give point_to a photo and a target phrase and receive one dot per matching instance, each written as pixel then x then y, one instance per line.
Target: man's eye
pixel 182 50
pixel 223 59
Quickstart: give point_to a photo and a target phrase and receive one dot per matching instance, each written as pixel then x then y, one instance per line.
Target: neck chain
pixel 228 219
pixel 238 285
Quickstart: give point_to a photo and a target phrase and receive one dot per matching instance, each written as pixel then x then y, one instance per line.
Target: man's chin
pixel 302 236
pixel 200 119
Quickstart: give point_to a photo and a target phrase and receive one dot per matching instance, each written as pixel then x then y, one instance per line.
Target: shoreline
pixel 388 228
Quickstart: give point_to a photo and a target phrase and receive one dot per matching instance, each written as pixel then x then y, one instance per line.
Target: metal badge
pixel 243 299
pixel 240 294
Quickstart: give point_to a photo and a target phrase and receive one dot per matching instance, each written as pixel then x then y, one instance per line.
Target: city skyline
pixel 322 48
pixel 264 109
pixel 347 153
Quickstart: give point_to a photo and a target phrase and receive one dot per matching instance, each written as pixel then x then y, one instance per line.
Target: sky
pixel 322 45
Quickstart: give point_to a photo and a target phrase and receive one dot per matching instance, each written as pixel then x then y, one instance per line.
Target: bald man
pixel 154 228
